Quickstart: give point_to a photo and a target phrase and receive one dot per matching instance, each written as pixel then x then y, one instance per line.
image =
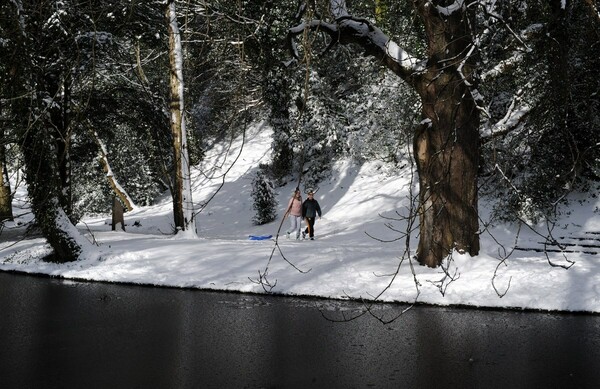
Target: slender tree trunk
pixel 119 191
pixel 5 193
pixel 182 194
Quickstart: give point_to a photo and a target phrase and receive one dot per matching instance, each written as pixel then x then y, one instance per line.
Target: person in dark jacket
pixel 310 210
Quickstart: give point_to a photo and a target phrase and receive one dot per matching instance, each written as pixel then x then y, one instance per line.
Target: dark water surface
pixel 64 334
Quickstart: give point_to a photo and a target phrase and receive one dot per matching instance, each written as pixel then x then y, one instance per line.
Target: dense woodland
pixel 480 97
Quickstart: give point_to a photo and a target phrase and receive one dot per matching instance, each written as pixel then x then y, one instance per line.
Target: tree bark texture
pixel 446 152
pixel 446 145
pixel 176 116
pixel 5 194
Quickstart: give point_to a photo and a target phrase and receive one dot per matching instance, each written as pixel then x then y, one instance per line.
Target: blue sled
pixel 259 237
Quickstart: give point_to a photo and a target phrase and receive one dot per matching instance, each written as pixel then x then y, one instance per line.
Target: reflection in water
pixel 70 335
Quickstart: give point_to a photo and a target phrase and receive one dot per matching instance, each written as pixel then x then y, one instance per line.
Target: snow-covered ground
pixel 349 258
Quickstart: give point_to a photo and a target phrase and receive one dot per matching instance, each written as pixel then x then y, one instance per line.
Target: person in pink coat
pixel 294 211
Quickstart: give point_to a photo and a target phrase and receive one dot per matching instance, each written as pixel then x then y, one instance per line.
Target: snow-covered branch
pixel 514 117
pixel 448 10
pixel 347 29
pixel 112 181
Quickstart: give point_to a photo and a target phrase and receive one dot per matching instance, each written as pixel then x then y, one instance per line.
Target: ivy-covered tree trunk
pixel 39 109
pixel 41 173
pixel 56 96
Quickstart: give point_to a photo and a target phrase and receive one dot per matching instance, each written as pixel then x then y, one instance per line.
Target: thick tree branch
pixel 349 30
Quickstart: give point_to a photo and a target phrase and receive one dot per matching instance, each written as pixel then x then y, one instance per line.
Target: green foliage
pixel 264 198
pixel 553 81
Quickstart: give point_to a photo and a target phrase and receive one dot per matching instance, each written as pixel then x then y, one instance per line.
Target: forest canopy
pixel 482 98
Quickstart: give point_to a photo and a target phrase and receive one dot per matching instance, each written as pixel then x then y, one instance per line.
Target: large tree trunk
pixel 446 145
pixel 446 149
